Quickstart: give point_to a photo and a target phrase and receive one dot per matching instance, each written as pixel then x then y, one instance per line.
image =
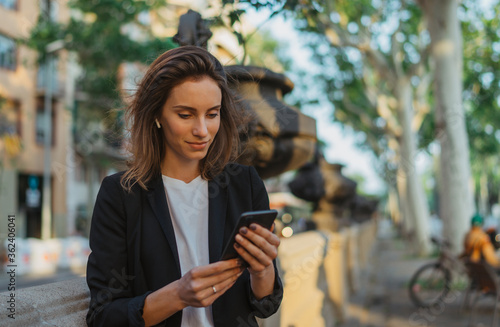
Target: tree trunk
pixel 483 194
pixel 393 206
pixel 417 204
pixel 407 221
pixel 455 194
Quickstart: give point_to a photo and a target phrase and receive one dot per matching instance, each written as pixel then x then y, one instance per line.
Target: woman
pixel 158 229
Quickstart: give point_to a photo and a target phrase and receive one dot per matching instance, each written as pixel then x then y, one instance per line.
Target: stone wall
pixel 56 304
pixel 320 269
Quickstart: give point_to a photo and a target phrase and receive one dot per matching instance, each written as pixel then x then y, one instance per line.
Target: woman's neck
pixel 185 173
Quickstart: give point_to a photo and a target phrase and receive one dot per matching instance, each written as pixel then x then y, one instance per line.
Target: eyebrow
pixel 180 106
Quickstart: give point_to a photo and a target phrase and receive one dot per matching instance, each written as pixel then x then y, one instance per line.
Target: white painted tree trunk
pixel 393 206
pixel 455 194
pixel 407 221
pixel 483 194
pixel 417 203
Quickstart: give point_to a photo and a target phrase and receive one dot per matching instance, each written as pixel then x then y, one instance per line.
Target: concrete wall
pixel 319 270
pixel 8 199
pixel 57 304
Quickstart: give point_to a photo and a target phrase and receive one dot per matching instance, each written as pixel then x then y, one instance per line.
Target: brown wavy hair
pixel 147 142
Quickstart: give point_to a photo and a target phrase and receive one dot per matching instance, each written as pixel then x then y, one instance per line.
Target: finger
pixel 197 291
pixel 208 282
pixel 217 290
pixel 253 263
pixel 226 284
pixel 266 234
pixel 257 246
pixel 215 268
pixel 260 242
pixel 253 255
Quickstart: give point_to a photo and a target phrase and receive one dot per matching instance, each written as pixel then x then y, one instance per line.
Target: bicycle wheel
pixel 429 284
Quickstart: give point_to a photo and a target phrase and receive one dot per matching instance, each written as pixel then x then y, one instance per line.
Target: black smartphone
pixel 265 218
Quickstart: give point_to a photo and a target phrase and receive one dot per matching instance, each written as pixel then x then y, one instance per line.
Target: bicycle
pixel 432 282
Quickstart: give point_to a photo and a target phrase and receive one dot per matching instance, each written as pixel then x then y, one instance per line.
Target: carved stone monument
pixel 192 30
pixel 277 137
pixel 336 202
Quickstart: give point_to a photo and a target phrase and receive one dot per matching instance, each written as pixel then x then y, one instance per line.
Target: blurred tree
pixel 373 56
pixel 262 51
pixel 439 27
pixel 481 97
pixel 455 196
pixel 258 46
pixel 104 34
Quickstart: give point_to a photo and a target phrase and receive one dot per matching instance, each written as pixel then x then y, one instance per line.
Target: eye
pixel 184 116
pixel 213 115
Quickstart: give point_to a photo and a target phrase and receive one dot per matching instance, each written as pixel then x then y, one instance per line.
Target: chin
pixel 198 156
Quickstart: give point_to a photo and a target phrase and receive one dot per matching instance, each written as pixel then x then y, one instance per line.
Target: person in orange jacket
pixel 477 244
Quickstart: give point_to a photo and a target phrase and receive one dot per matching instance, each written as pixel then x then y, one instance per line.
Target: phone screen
pixel 265 218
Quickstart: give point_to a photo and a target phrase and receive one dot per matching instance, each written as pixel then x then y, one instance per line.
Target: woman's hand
pixel 199 287
pixel 258 247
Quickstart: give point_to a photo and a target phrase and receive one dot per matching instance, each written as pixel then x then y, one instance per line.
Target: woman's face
pixel 190 120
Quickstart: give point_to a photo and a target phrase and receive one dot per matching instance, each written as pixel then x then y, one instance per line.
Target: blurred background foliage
pixel 339 34
pixel 96 33
pixel 359 45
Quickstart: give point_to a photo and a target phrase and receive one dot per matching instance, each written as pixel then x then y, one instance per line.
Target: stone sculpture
pixel 336 202
pixel 192 30
pixel 276 137
pixel 279 137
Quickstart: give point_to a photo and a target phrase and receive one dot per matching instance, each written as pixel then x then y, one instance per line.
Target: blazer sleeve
pixel 111 298
pixel 268 305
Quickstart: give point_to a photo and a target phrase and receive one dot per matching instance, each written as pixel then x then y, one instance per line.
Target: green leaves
pixel 234 16
pixel 482 78
pixel 43 33
pixel 103 33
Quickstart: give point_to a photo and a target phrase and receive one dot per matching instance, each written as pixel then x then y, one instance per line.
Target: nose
pixel 200 128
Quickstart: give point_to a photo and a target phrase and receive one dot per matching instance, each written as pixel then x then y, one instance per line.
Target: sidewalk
pixel 384 299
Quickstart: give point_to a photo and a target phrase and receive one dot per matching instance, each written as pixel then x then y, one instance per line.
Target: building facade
pixel 23 87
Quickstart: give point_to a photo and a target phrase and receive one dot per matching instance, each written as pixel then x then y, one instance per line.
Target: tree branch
pixel 384 111
pixel 366 119
pixel 397 56
pixel 420 104
pixel 416 67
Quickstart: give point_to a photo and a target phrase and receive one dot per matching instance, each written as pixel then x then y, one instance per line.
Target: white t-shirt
pixel 188 204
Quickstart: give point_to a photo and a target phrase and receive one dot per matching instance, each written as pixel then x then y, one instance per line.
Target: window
pixel 10 117
pixel 8 52
pixel 41 80
pixel 49 9
pixel 40 123
pixel 9 4
pixel 10 127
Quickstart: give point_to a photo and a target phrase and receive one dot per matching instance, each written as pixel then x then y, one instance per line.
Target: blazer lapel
pixel 217 202
pixel 158 200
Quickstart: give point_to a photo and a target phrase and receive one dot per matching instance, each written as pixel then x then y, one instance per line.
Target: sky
pixel 340 143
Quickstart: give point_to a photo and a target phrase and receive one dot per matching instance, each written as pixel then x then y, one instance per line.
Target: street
pixel 384 301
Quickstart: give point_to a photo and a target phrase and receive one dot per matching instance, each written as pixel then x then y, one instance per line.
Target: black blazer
pixel 134 251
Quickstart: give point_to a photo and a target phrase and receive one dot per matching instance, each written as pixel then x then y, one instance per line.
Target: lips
pixel 198 145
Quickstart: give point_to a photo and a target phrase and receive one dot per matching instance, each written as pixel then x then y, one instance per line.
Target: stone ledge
pixel 55 304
